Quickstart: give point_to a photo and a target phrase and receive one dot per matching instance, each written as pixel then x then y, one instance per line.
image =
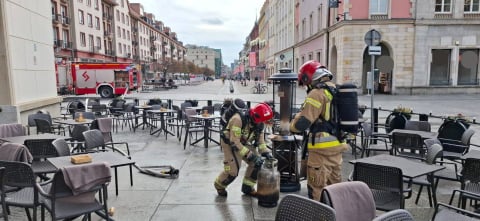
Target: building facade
pixel 427 47
pixel 27 75
pixel 201 56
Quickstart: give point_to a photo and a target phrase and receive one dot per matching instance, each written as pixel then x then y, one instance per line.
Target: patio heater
pixel 285 146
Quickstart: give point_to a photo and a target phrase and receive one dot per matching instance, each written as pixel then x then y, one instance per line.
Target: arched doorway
pixel 333 63
pixel 383 80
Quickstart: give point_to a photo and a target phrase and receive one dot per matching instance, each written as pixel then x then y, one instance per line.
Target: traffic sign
pixel 372 37
pixel 374 50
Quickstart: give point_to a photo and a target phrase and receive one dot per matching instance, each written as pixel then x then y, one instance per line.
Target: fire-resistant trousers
pixel 324 167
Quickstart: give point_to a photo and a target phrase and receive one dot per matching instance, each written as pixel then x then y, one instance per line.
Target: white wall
pixel 28 24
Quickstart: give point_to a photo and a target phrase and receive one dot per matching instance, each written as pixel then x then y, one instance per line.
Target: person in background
pixel 324 149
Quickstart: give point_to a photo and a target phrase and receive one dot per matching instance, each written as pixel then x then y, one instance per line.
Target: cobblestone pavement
pixel 192 197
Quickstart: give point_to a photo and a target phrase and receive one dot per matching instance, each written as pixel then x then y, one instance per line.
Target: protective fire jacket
pixel 243 137
pixel 315 108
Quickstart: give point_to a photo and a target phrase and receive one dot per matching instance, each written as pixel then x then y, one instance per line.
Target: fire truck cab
pixel 105 79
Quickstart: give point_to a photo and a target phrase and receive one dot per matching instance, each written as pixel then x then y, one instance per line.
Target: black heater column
pixel 285 146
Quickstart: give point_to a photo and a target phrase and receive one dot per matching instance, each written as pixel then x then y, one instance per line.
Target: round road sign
pixel 372 37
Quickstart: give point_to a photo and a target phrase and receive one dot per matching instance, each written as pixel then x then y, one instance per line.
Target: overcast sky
pixel 219 24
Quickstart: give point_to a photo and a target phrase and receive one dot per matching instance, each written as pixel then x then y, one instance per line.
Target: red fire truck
pixel 106 79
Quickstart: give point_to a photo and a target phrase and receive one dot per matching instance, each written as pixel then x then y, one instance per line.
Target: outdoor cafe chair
pixel 4 213
pixel 386 184
pixel 434 152
pixel 45 126
pixel 408 145
pixel 372 142
pixel 294 207
pixel 11 130
pixel 417 125
pixel 395 215
pixel 21 183
pixel 41 149
pixel 450 172
pixel 470 183
pixel 454 149
pixel 350 200
pixel 178 121
pixel 65 200
pixel 444 212
pixel 95 141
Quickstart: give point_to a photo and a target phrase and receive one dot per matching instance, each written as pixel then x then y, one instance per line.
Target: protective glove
pixel 252 157
pixel 267 155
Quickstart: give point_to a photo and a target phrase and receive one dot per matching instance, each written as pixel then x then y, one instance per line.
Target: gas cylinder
pixel 268 183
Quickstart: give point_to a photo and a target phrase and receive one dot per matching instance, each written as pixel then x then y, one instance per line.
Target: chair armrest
pixel 460 192
pixel 40 189
pixel 455 209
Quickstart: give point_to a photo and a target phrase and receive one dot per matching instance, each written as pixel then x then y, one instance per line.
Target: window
pixel 378 7
pixel 63 11
pixel 320 18
pixel 118 15
pixel 122 3
pixel 90 41
pixel 96 4
pixel 128 20
pixel 125 48
pixel 119 48
pixel 128 35
pixel 303 29
pixel 66 38
pixel 83 40
pixel 80 17
pixel 471 6
pixel 123 18
pixel 311 24
pixel 119 32
pixel 99 42
pixel 97 23
pixel 54 9
pixel 89 20
pixel 440 67
pixel 123 34
pixel 468 67
pixel 443 6
pixel 55 34
pixel 89 3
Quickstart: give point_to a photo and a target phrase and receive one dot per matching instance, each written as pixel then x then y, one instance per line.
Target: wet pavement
pixel 192 197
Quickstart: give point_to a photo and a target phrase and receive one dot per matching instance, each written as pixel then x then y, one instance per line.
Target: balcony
pixel 57 43
pixel 110 52
pixel 153 38
pixel 56 18
pixel 67 45
pixel 134 29
pixel 95 49
pixel 107 17
pixel 154 60
pixel 108 34
pixel 153 48
pixel 134 43
pixel 128 55
pixel 136 57
pixel 65 21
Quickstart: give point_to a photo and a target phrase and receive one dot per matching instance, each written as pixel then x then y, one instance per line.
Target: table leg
pixel 116 182
pixel 131 177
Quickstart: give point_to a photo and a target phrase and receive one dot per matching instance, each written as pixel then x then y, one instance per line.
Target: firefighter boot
pixel 248 190
pixel 220 190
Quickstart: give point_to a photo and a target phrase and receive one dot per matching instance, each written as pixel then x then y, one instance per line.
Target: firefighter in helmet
pixel 240 139
pixel 324 149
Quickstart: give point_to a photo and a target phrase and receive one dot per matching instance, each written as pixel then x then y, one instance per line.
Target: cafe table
pixel 163 126
pixel 115 160
pixel 410 168
pixel 206 129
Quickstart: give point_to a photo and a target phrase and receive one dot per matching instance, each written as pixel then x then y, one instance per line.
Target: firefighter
pixel 240 139
pixel 324 149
